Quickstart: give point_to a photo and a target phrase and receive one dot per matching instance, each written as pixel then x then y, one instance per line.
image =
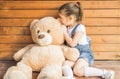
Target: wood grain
pixel 111 65
pixel 101 19
pixel 95 4
pixel 42 13
pixel 111 22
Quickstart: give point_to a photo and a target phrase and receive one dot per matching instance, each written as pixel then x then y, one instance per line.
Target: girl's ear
pixel 71 17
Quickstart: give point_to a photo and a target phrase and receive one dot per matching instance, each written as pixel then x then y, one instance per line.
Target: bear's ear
pixel 33 23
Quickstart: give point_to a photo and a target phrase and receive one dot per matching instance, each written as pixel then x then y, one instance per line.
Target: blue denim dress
pixel 86 53
pixel 85 50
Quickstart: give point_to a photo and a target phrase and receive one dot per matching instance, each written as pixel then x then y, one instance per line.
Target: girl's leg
pixel 81 68
pixel 107 74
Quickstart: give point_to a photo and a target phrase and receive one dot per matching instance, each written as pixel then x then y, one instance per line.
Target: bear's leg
pixel 71 54
pixel 21 71
pixel 69 63
pixel 51 71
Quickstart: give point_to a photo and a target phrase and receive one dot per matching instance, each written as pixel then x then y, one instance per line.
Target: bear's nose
pixel 41 36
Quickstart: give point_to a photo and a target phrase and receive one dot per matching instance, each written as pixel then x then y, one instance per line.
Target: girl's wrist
pixel 65 33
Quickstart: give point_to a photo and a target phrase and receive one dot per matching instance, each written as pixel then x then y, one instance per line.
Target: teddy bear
pixel 46 55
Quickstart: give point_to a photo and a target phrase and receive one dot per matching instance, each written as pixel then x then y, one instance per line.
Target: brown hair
pixel 72 8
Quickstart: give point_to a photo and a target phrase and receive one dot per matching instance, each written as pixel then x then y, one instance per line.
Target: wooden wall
pixel 101 18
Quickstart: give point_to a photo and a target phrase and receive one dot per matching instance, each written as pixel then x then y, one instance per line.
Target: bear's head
pixel 47 31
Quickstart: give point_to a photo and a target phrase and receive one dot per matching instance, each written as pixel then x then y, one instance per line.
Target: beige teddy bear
pixel 46 55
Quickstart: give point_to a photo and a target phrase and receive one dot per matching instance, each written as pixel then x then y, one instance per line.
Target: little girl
pixel 70 15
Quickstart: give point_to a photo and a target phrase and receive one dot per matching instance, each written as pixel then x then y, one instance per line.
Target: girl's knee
pixel 79 67
pixel 82 63
pixel 78 72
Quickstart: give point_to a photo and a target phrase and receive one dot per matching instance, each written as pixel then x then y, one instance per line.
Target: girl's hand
pixel 64 29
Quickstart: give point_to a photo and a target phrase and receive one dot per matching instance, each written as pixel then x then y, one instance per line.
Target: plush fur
pixel 46 55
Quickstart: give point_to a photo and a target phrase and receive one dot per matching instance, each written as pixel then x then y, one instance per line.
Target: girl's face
pixel 66 20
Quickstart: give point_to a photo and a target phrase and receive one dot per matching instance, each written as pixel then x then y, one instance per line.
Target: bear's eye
pixel 38 31
pixel 48 31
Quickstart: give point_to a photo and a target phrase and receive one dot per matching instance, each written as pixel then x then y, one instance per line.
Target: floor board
pixel 113 65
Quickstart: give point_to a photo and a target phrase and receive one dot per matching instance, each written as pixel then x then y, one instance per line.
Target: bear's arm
pixel 70 53
pixel 19 54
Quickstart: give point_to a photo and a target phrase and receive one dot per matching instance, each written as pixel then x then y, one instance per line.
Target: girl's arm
pixel 75 40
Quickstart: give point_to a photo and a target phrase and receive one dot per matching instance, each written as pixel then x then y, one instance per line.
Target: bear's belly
pixel 37 57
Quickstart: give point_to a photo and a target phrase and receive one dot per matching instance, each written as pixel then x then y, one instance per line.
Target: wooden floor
pixel 113 65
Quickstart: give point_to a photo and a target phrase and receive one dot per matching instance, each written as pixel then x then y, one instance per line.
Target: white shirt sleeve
pixel 81 28
pixel 83 40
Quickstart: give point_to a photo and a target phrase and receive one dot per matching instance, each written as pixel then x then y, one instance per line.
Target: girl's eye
pixel 38 31
pixel 48 31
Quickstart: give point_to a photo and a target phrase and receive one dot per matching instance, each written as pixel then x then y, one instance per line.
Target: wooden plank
pixel 101 4
pixel 14 31
pixel 52 4
pixel 106 47
pixel 102 13
pixel 8 55
pixel 107 55
pixel 16 39
pixel 4 65
pixel 27 13
pixel 11 47
pixel 86 21
pixel 101 21
pixel 101 39
pixel 105 39
pixel 103 30
pixel 15 22
pixel 91 30
pixel 95 47
pixel 43 13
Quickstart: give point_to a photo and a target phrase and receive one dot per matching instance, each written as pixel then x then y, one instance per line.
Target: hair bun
pixel 76 4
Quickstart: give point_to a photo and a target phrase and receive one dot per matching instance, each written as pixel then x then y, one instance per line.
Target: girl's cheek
pixel 62 21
